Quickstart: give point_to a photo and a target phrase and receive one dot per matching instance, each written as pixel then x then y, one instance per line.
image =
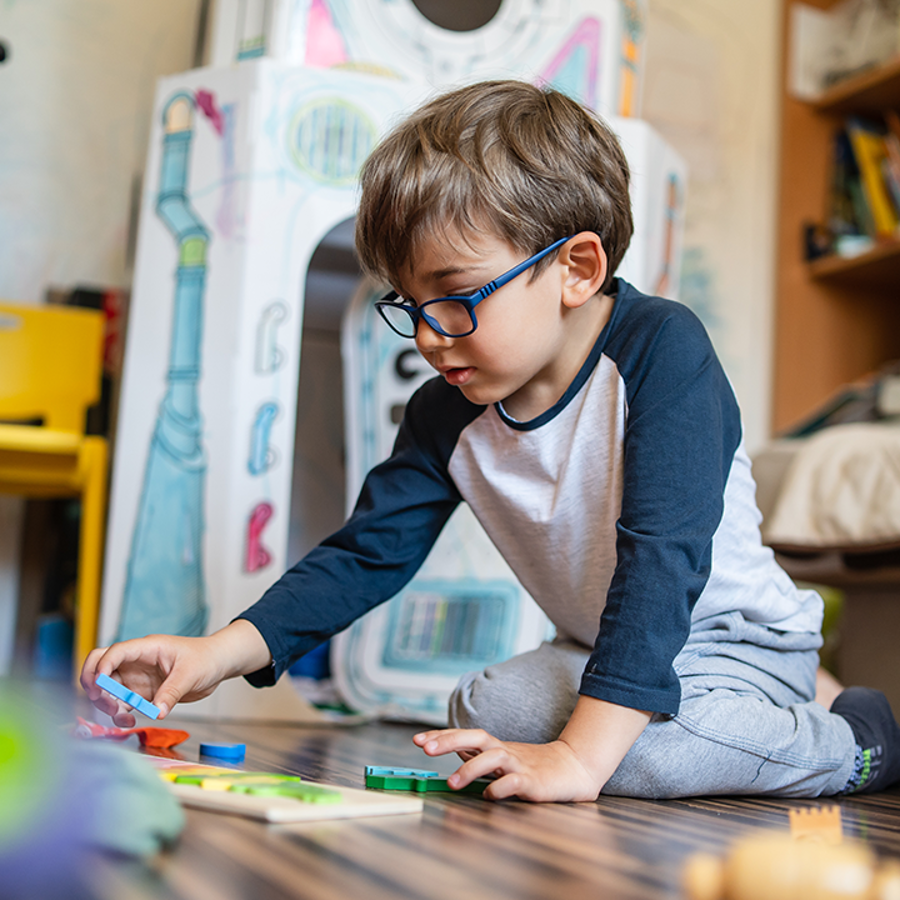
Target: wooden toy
pixel 778 867
pixel 274 796
pixel 821 823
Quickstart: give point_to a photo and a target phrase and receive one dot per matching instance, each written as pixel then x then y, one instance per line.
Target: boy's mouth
pixel 458 377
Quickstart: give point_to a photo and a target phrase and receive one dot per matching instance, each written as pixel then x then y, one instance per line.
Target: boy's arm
pixel 574 767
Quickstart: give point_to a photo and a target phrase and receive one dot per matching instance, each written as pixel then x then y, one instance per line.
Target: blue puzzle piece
pixel 234 752
pixel 136 701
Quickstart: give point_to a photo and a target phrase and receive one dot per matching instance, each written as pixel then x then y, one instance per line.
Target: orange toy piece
pixel 778 867
pixel 151 738
pixel 821 823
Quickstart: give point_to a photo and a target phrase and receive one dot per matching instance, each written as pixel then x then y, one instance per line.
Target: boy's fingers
pixel 510 785
pixel 143 650
pixel 456 739
pixel 107 705
pixel 89 673
pixel 169 693
pixel 497 758
pixel 124 720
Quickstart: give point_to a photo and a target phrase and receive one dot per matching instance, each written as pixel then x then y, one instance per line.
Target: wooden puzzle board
pixel 354 803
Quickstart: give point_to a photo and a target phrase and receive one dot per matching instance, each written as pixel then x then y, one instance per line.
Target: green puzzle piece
pixel 238 777
pixel 423 785
pixel 305 793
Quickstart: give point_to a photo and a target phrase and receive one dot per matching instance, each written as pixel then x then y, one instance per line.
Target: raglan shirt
pixel 626 510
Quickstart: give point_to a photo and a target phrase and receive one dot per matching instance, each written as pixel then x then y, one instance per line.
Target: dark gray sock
pixel 877 734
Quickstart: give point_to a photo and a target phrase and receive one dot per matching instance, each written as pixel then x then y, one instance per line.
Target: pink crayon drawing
pixel 574 68
pixel 206 100
pixel 324 44
pixel 257 557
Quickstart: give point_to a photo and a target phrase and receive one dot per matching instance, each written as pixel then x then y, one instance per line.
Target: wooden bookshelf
pixel 836 319
pixel 870 91
pixel 878 268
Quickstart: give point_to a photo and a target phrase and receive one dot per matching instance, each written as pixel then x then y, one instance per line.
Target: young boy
pixel 594 434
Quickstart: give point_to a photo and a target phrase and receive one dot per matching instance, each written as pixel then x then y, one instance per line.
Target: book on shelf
pixel 863 203
pixel 848 213
pixel 892 146
pixel 867 139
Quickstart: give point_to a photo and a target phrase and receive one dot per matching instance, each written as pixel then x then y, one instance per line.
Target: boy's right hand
pixel 168 669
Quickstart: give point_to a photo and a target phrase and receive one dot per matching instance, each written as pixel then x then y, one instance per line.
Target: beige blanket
pixel 840 490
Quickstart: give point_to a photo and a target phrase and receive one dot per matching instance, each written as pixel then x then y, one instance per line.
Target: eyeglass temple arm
pixel 497 283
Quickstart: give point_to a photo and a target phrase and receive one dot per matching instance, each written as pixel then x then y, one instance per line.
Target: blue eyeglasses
pixel 450 316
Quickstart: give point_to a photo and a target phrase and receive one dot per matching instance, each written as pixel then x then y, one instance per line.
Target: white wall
pixel 711 89
pixel 75 101
pixel 76 93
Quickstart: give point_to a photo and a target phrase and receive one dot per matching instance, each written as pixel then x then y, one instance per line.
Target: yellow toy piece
pixel 50 368
pixel 777 867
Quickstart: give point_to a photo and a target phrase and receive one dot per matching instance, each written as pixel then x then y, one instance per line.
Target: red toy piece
pixel 152 738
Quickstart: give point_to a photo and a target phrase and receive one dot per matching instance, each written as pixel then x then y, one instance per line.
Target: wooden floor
pixel 459 847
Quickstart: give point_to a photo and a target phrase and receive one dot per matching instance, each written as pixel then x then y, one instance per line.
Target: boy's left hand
pixel 574 767
pixel 537 772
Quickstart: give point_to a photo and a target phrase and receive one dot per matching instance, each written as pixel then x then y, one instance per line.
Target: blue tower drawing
pixel 164 588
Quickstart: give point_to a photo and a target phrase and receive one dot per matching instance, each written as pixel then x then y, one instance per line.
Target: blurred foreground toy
pixel 817 824
pixel 778 867
pixel 63 800
pixel 151 738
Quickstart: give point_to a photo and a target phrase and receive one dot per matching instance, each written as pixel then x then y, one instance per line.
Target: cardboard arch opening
pixel 318 484
pixel 464 15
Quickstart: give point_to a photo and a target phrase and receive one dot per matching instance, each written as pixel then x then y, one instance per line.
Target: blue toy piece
pixel 119 691
pixel 233 752
pixel 390 771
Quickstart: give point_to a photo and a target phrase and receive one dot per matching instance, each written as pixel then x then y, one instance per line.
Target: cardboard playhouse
pixel 252 171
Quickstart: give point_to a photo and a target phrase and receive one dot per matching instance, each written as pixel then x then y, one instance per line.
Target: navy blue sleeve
pixel 404 503
pixel 683 429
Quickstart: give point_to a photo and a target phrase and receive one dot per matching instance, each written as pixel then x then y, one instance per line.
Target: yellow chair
pixel 50 369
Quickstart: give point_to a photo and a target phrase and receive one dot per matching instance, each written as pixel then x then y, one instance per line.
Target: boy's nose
pixel 427 339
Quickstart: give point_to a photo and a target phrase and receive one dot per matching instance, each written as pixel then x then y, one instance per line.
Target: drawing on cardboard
pixel 632 39
pixel 269 356
pixel 165 589
pixel 324 44
pixel 330 139
pixel 257 556
pixel 575 67
pixel 262 455
pixel 253 22
pixel 673 204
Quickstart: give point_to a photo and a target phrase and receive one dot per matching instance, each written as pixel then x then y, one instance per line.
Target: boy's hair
pixel 527 164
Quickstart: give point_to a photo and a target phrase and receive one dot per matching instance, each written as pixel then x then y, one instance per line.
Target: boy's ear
pixel 584 264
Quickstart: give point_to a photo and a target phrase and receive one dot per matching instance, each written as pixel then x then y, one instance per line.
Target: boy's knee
pixel 507 706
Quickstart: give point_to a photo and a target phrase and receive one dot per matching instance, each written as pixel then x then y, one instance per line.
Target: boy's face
pixel 529 342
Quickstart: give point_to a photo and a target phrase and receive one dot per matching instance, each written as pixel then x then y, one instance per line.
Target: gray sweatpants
pixel 747 723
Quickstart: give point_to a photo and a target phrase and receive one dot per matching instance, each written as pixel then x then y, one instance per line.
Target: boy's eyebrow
pixel 440 274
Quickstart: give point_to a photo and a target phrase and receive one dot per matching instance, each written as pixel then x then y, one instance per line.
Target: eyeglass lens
pixel 452 317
